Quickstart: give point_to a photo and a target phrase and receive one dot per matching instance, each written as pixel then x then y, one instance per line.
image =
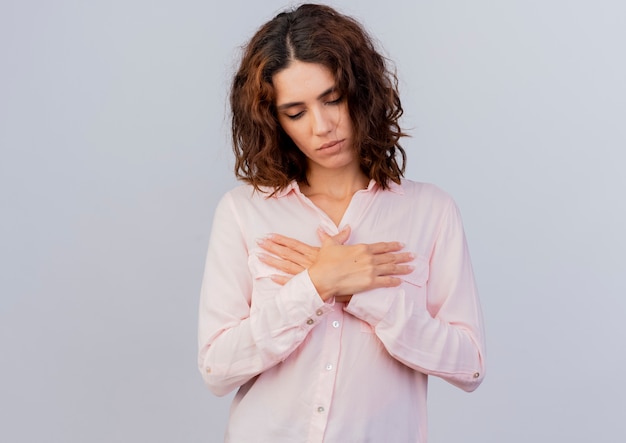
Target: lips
pixel 329 144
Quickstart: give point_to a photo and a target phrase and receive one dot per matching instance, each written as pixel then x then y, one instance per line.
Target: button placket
pixel 328 360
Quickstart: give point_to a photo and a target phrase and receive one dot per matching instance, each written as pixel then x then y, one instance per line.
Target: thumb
pixel 340 238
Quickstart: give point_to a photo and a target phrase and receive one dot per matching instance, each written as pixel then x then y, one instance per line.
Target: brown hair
pixel 265 155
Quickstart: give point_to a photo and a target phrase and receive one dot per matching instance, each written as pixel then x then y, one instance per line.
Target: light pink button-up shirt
pixel 309 371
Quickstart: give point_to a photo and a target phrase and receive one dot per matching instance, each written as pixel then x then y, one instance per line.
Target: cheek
pixel 345 122
pixel 293 131
pixel 286 125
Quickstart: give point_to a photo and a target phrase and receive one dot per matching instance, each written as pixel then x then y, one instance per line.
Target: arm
pixel 238 339
pixel 240 336
pixel 292 256
pixel 336 269
pixel 433 324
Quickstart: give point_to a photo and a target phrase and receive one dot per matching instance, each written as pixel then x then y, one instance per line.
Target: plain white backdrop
pixel 115 150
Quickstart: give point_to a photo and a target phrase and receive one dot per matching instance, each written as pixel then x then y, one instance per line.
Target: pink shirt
pixel 309 371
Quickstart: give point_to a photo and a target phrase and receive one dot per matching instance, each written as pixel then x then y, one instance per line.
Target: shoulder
pixel 425 193
pixel 240 192
pixel 234 199
pixel 433 206
pixel 245 193
pixel 246 201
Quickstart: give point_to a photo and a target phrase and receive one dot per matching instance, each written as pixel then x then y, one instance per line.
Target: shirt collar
pixel 391 186
pixel 396 188
pixel 293 186
pixel 372 186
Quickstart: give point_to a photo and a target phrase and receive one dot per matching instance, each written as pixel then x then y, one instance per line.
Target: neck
pixel 337 184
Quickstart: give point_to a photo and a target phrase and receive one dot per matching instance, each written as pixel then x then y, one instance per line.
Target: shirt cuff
pixel 311 305
pixel 371 306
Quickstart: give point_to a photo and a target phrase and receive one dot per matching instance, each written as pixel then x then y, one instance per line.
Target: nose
pixel 321 121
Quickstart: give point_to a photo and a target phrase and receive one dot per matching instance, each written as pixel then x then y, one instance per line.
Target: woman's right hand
pixel 347 269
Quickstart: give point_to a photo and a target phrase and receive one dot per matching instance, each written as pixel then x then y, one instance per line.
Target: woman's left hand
pixel 289 255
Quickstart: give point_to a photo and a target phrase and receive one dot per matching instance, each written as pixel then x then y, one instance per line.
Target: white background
pixel 115 151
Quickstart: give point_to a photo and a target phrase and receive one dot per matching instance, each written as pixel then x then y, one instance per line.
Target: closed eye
pixel 295 116
pixel 336 101
pixel 330 102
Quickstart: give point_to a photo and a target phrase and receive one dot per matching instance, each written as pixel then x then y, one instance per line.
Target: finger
pixel 403 257
pixel 280 279
pixel 385 247
pixel 394 269
pixel 387 282
pixel 323 235
pixel 280 264
pixel 340 238
pixel 293 244
pixel 285 252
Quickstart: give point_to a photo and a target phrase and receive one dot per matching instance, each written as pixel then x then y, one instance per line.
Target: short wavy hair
pixel 265 156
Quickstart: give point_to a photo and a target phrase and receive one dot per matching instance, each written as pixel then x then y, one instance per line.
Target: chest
pixel 334 209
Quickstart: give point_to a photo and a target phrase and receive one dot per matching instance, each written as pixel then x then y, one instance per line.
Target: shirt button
pixel 476 374
pixel 320 409
pixel 309 321
pixel 335 324
pixel 319 312
pixel 329 367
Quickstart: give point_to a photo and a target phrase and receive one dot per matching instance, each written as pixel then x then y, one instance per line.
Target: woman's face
pixel 314 114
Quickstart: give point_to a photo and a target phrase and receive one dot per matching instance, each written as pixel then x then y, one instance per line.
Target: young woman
pixel 333 286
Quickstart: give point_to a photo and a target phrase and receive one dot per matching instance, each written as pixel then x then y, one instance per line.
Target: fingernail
pixel 261 240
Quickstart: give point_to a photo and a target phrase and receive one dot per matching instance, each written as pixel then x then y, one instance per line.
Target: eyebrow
pixel 319 97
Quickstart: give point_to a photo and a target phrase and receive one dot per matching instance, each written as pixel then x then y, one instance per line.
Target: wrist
pixel 324 291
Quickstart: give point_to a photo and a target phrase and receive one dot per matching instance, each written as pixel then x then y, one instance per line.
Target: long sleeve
pixel 433 322
pixel 316 371
pixel 239 335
